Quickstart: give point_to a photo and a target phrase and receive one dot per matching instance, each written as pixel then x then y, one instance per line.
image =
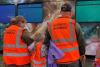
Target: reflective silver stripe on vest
pixel 71 32
pixel 17 45
pixel 71 39
pixel 15 54
pixel 36 62
pixel 70 49
pixel 64 40
pixel 40 66
pixel 18 39
pixel 14 46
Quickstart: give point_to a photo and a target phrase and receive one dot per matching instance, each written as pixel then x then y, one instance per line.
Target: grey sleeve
pixel 26 37
pixel 80 39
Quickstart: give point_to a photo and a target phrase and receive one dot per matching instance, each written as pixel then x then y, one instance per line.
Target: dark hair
pixel 13 21
pixel 66 7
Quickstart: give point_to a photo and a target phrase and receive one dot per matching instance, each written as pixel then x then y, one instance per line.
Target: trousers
pixel 74 64
pixel 12 65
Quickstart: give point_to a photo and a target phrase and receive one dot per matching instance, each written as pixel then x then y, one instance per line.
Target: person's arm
pixel 47 39
pixel 26 37
pixel 81 42
pixel 80 39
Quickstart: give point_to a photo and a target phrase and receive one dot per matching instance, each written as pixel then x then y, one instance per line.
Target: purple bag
pixel 52 65
pixel 54 53
pixel 98 66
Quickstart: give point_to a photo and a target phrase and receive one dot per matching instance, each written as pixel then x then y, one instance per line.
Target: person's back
pixel 14 48
pixel 38 55
pixel 9 34
pixel 63 32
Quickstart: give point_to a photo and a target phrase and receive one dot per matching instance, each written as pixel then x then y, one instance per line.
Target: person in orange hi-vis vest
pixel 38 50
pixel 62 32
pixel 15 51
pixel 39 55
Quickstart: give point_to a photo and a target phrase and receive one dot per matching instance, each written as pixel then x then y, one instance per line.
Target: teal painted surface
pixel 88 2
pixel 88 13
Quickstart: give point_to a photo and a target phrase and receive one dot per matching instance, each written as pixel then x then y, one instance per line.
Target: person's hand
pixel 83 58
pixel 38 37
pixel 31 46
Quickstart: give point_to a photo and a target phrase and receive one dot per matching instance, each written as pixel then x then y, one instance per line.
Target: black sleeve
pixel 26 37
pixel 47 39
pixel 80 39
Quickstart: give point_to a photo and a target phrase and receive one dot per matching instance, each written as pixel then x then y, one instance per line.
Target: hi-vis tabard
pixel 38 59
pixel 62 31
pixel 15 50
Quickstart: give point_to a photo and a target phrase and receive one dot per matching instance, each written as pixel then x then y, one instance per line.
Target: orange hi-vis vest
pixel 15 50
pixel 38 60
pixel 62 32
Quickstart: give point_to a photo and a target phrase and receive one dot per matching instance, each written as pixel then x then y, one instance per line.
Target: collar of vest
pixel 14 26
pixel 65 17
